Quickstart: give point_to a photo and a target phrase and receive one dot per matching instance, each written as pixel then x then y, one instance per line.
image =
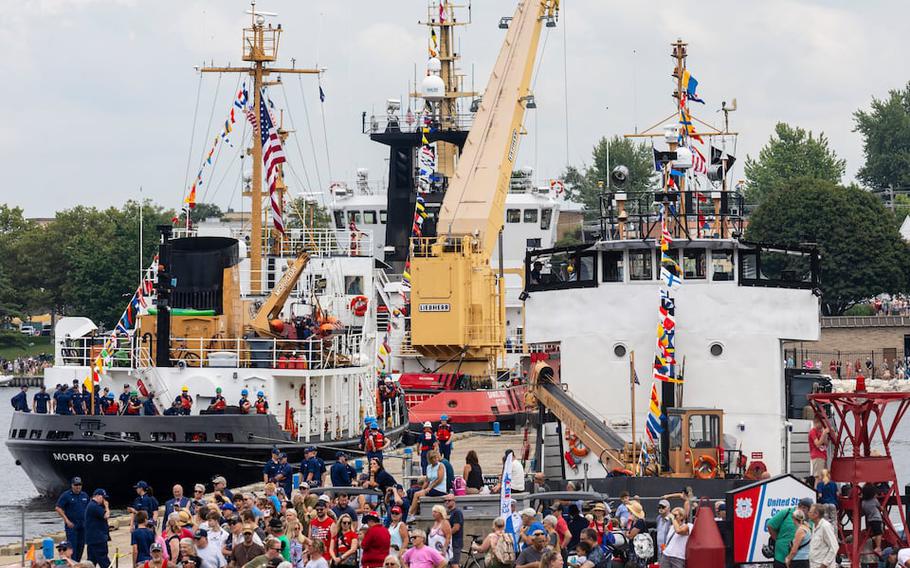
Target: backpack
pixel 502 553
pixel 459 486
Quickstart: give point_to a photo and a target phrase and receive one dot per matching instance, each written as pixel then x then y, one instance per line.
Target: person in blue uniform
pixel 148 405
pixel 133 405
pixel 312 468
pixel 71 507
pixel 285 475
pixel 245 404
pixel 270 470
pixel 76 400
pixel 97 513
pixel 174 409
pixel 124 397
pixel 20 400
pixel 144 501
pixel 87 400
pixel 341 473
pixel 64 404
pixel 41 401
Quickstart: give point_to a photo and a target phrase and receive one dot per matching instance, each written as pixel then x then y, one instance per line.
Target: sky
pixel 102 94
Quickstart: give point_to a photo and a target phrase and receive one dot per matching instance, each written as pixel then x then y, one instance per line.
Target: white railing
pixel 317 242
pixel 335 351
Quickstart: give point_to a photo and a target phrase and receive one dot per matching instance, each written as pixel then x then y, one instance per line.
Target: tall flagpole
pixel 632 401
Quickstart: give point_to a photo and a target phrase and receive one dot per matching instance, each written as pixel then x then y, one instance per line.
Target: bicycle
pixel 473 559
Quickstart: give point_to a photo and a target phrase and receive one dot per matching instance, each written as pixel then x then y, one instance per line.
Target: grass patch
pixel 34 346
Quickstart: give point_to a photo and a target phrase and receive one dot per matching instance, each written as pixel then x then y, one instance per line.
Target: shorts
pixel 875 528
pixel 818 464
pixel 435 493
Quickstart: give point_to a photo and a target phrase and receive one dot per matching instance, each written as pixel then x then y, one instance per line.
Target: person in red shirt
pixel 186 401
pixel 600 523
pixel 444 437
pixel 818 447
pixel 376 542
pixel 113 407
pixel 321 526
pixel 343 548
pixel 218 403
pixel 427 442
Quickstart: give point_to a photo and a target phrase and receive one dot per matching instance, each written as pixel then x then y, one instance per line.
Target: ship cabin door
pixel 694 433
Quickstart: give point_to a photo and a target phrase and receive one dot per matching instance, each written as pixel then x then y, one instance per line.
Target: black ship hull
pixel 114 452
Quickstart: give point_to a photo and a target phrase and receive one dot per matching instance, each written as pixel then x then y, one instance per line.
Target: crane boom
pixel 457 302
pixel 474 201
pixel 273 305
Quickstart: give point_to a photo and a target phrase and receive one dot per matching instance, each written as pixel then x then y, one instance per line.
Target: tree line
pixel 795 194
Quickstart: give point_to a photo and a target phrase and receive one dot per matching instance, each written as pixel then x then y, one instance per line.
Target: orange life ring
pixel 577 448
pixel 705 467
pixel 755 470
pixel 359 305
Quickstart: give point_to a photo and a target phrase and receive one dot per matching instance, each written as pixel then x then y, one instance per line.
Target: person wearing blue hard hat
pixel 261 404
pixel 375 442
pixel 444 437
pixel 245 404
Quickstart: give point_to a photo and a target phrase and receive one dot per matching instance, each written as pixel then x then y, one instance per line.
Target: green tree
pixel 13 229
pixel 791 153
pixel 301 213
pixel 585 185
pixel 886 140
pixel 862 253
pixel 202 211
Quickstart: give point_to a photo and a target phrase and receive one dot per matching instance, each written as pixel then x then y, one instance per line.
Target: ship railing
pixel 394 123
pixel 335 351
pixel 317 242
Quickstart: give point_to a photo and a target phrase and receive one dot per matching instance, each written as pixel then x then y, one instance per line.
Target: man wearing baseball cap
pixel 341 473
pixel 65 554
pixel 209 553
pixel 782 530
pixel 97 513
pixel 71 507
pixel 376 542
pixel 321 526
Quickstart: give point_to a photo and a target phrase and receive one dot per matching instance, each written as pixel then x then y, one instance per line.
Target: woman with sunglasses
pixel 343 544
pixel 296 541
pixel 398 530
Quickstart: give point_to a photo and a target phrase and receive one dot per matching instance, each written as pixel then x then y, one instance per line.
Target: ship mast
pixel 442 16
pixel 260 46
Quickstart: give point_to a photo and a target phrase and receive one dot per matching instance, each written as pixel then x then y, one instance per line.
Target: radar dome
pixel 683 159
pixel 433 88
pixel 434 65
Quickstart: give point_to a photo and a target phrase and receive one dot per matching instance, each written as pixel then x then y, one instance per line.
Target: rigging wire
pixel 189 153
pixel 306 174
pixel 325 135
pixel 208 128
pixel 309 130
pixel 218 154
pixel 240 173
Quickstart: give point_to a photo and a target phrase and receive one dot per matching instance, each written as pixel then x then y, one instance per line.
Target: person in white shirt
pixel 517 474
pixel 823 546
pixel 209 554
pixel 675 552
pixel 215 533
pixel 903 558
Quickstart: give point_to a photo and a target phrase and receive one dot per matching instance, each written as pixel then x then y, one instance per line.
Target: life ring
pixel 558 186
pixel 756 470
pixel 577 448
pixel 359 305
pixel 705 467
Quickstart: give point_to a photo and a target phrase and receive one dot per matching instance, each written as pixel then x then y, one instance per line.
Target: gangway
pixel 599 438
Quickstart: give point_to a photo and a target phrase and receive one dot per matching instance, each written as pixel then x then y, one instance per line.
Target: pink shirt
pixel 423 557
pixel 814 451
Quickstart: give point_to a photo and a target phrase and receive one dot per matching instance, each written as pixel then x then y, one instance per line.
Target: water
pixel 18 490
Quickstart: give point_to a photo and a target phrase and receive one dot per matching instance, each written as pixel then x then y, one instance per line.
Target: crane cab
pixel 696 437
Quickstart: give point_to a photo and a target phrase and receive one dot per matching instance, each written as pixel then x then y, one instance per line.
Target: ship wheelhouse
pixel 736 304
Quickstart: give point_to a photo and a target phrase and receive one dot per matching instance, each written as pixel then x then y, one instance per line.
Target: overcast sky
pixel 101 94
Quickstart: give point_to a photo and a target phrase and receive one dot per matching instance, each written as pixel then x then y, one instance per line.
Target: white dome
pixel 434 65
pixel 433 88
pixel 683 159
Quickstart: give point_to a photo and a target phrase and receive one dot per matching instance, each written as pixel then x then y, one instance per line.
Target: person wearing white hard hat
pixel 427 442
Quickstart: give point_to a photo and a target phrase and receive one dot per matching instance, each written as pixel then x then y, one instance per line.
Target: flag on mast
pixel 272 155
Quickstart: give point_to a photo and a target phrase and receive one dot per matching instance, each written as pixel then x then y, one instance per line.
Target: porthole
pixel 716 349
pixel 619 350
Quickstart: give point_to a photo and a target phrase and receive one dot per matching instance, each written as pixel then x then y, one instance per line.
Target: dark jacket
pixel 96 527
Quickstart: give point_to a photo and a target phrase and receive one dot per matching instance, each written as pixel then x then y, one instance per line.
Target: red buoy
pixel 705 548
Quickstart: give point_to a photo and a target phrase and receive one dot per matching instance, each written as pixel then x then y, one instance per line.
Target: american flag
pixel 698 161
pixel 272 155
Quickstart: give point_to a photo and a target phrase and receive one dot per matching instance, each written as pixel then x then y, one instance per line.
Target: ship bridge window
pixel 34 435
pixel 132 436
pixel 641 265
pixel 339 219
pixel 674 422
pixel 59 435
pixel 163 437
pixel 546 216
pixel 778 266
pixel 224 437
pixel 704 431
pixel 383 215
pixel 196 437
pixel 722 265
pixel 353 285
pixel 513 215
pixel 369 217
pixel 533 243
pixel 612 262
pixel 354 217
pixel 530 215
pixel 694 264
pixel 560 268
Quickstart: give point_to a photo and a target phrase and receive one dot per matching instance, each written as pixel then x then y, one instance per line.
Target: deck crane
pixel 457 301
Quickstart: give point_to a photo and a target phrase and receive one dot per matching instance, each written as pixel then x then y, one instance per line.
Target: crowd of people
pixel 79 399
pixel 29 366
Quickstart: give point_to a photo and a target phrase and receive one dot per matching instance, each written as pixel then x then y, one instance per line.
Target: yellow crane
pixel 457 301
pixel 274 303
